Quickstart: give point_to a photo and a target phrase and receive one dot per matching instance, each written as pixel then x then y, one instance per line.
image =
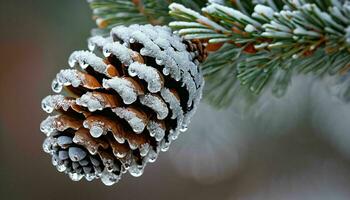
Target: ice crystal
pixel 147 73
pixel 125 88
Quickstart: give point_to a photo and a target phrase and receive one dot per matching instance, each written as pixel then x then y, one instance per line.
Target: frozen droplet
pixel 48 145
pixel 136 170
pixel 133 145
pixel 144 149
pixel 109 178
pixel 91 46
pixel 183 128
pixel 83 64
pixel 144 52
pixel 164 145
pixel 76 153
pixel 75 176
pixel 72 61
pixel 166 71
pixel 55 160
pixel 46 104
pixel 132 72
pixel 121 154
pixel 132 40
pixel 90 177
pixel 119 139
pixel 61 168
pixel 106 53
pixel 159 61
pixel 152 156
pixel 96 131
pixel 56 86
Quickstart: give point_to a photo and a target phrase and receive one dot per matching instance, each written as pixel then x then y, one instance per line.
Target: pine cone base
pixel 121 103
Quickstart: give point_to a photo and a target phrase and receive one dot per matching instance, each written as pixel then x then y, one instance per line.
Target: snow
pixel 120 51
pixel 264 10
pixel 135 120
pixel 155 103
pixel 55 102
pixel 85 59
pixel 156 130
pixel 124 87
pixel 91 101
pixel 148 74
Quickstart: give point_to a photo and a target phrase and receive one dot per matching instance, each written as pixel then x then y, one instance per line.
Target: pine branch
pixel 277 38
pixel 111 13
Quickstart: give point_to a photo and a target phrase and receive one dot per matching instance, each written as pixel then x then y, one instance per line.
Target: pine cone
pixel 118 112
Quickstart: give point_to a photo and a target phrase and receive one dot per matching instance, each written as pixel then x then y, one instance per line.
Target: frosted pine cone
pixel 125 100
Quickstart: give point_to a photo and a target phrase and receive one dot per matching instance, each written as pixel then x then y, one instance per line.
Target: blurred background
pixel 293 148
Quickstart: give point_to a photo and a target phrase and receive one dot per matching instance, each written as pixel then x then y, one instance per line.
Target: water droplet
pixel 56 87
pixel 144 51
pixel 132 40
pixel 75 176
pixel 91 46
pixel 166 71
pixel 96 131
pixel 183 128
pixel 89 177
pixel 72 61
pixel 136 170
pixel 144 149
pixel 109 178
pixel 61 168
pixel 164 146
pixel 152 156
pixel 48 145
pixel 132 72
pixel 121 155
pixel 46 104
pixel 159 61
pixel 106 53
pixel 83 64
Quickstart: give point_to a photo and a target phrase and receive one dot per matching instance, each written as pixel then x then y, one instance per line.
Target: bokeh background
pixel 294 148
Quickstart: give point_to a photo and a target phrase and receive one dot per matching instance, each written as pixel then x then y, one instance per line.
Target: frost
pixel 125 88
pixel 49 145
pixel 54 102
pixel 90 101
pixel 173 102
pixel 136 122
pixel 75 176
pixel 48 126
pixel 156 130
pixel 120 51
pixel 66 77
pixel 85 59
pixel 155 103
pixel 97 43
pixel 147 73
